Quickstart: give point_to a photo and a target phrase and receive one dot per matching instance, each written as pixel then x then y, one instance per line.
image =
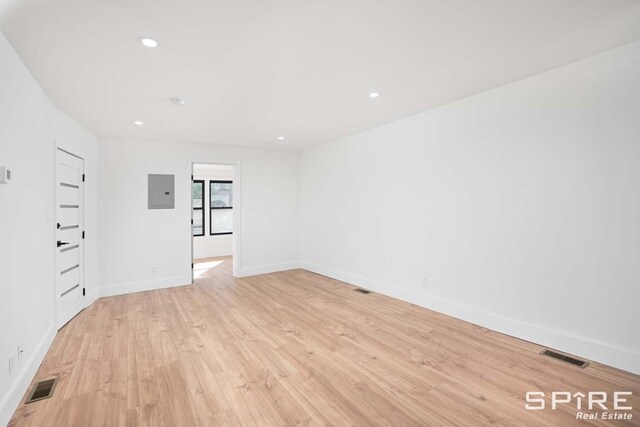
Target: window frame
pixel 211 208
pixel 201 182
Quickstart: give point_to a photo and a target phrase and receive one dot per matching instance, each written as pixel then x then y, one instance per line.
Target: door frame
pixel 237 212
pixel 81 245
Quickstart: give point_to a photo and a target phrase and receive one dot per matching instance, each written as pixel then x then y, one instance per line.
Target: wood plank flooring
pixel 295 348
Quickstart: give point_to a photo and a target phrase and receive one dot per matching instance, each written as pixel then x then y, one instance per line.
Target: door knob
pixel 62 243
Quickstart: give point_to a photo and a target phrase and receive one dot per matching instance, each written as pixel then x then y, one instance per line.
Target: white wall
pixel 520 206
pixel 30 128
pixel 208 246
pixel 133 238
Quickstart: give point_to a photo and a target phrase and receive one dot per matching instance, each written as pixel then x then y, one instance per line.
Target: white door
pixel 69 236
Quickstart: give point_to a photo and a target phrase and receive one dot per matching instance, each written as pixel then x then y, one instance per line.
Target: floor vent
pixel 567 359
pixel 42 390
pixel 362 291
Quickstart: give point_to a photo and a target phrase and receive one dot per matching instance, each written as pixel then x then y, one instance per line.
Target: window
pixel 221 207
pixel 197 195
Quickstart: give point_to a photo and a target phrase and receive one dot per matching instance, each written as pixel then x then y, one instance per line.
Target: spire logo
pixel 594 405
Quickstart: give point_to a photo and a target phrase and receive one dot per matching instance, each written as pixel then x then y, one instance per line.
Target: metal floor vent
pixel 362 291
pixel 563 357
pixel 42 390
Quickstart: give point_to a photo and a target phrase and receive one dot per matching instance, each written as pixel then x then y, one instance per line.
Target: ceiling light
pixel 149 42
pixel 178 102
pixel 280 138
pixel 138 122
pixel 374 95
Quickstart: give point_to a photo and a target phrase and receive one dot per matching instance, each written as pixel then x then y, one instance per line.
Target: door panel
pixel 69 246
pixel 69 235
pixel 68 256
pixel 68 196
pixel 68 218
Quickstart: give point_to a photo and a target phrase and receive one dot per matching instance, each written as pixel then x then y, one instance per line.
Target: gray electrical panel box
pixel 161 191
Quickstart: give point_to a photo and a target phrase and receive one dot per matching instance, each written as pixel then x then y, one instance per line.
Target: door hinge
pixel 82 234
pixel 192 222
pixel 192 266
pixel 82 177
pixel 84 291
pixel 191 177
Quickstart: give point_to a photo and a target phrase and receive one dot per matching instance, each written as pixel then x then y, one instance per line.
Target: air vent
pixel 563 357
pixel 362 291
pixel 42 390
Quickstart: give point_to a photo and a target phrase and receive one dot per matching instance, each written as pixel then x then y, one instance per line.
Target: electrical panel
pixel 161 191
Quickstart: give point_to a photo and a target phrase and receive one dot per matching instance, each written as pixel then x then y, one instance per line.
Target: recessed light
pixel 280 138
pixel 178 102
pixel 149 42
pixel 138 122
pixel 374 95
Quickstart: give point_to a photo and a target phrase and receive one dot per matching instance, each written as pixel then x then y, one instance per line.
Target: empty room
pixel 319 213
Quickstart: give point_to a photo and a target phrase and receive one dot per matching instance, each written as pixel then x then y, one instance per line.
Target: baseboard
pixel 271 268
pixel 621 358
pixel 212 254
pixel 92 296
pixel 16 391
pixel 147 285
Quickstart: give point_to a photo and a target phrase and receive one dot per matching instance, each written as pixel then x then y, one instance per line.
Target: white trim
pixel 146 285
pixel 218 253
pixel 92 296
pixel 16 391
pixel 621 358
pixel 264 269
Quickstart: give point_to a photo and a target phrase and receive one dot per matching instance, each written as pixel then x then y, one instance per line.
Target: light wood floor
pixel 294 348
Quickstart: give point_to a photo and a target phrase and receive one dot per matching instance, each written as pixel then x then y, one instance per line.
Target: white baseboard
pixel 621 358
pixel 22 379
pixel 92 296
pixel 197 254
pixel 271 268
pixel 146 285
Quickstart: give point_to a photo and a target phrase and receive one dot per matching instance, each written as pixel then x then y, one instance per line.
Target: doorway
pixel 69 245
pixel 213 208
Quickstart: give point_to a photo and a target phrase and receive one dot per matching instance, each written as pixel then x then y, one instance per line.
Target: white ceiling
pixel 252 70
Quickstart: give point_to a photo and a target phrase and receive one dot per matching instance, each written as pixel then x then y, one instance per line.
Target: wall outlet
pixel 425 283
pixel 5 175
pixel 20 351
pixel 153 270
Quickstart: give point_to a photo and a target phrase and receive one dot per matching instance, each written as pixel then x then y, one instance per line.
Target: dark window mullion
pixel 201 184
pixel 202 210
pixel 213 208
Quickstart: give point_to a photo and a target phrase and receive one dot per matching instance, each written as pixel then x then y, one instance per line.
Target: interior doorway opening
pixel 213 187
